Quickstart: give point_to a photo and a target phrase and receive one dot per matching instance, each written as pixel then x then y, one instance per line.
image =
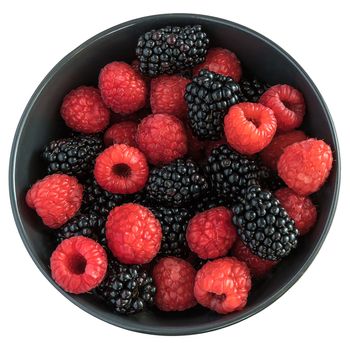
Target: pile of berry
pixel 190 203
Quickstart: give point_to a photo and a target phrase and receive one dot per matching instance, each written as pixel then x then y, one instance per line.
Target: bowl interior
pixel 41 123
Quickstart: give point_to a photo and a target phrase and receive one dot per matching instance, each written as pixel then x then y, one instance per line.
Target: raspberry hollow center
pixel 253 120
pixel 218 297
pixel 77 264
pixel 122 170
pixel 288 105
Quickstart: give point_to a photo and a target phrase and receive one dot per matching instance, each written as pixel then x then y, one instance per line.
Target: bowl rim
pixel 123 322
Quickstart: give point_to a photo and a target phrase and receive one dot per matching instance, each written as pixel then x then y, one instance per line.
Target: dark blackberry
pixel 251 90
pixel 174 222
pixel 177 183
pixel 100 201
pixel 209 97
pixel 230 172
pixel 269 179
pixel 127 289
pixel 80 225
pixel 73 156
pixel 264 225
pixel 171 49
pixel 208 201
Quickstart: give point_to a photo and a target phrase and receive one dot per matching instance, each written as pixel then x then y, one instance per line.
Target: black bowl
pixel 40 123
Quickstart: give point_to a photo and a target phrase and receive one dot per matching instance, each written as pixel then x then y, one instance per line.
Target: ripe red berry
pixel 174 280
pixel 210 234
pixel 162 138
pixel 133 234
pixel 271 154
pixel 299 208
pixel 287 104
pixel 78 264
pixel 56 199
pixel 167 95
pixel 84 111
pixel 123 132
pixel 122 88
pixel 121 169
pixel 304 166
pixel 223 285
pixel 221 61
pixel 249 127
pixel 258 267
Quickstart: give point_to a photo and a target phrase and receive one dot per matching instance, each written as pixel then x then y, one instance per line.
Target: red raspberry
pixel 162 137
pixel 78 264
pixel 210 234
pixel 258 267
pixel 56 199
pixel 121 169
pixel 122 88
pixel 123 132
pixel 84 111
pixel 133 234
pixel 299 208
pixel 223 285
pixel 287 104
pixel 174 280
pixel 167 95
pixel 273 151
pixel 249 127
pixel 221 61
pixel 304 166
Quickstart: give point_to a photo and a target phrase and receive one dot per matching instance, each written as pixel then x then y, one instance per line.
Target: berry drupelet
pixel 72 156
pixel 209 97
pixel 171 49
pixel 230 172
pixel 251 90
pixel 127 289
pixel 176 184
pixel 264 225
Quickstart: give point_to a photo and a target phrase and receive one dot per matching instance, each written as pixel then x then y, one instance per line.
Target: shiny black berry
pixel 209 96
pixel 264 225
pixel 73 156
pixel 171 49
pixel 251 89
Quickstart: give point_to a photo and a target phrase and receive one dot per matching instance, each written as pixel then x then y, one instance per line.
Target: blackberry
pixel 100 201
pixel 264 225
pixel 80 225
pixel 269 179
pixel 171 49
pixel 127 289
pixel 209 97
pixel 251 90
pixel 209 201
pixel 230 172
pixel 174 222
pixel 177 183
pixel 73 156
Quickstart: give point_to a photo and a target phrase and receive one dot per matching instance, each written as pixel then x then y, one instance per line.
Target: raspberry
pixel 223 285
pixel 221 61
pixel 167 95
pixel 210 234
pixel 56 199
pixel 162 138
pixel 299 208
pixel 122 88
pixel 287 104
pixel 174 280
pixel 123 132
pixel 133 234
pixel 273 151
pixel 84 111
pixel 121 169
pixel 258 267
pixel 78 264
pixel 249 127
pixel 304 166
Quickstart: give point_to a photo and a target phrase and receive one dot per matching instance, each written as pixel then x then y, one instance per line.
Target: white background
pixel 35 35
